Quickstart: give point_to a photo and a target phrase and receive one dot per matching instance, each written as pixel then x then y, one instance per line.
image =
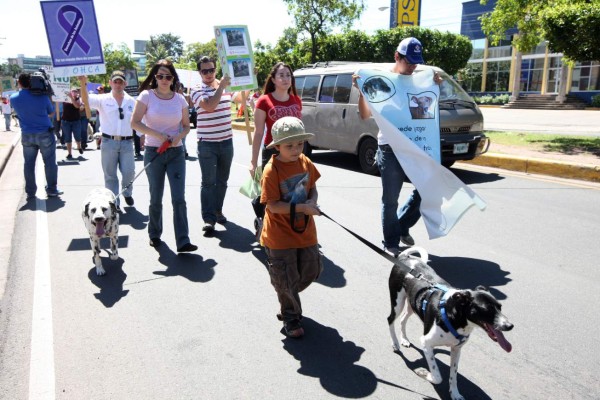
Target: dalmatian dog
pixel 101 219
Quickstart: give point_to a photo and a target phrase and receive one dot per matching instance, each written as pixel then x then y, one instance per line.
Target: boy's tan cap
pixel 286 130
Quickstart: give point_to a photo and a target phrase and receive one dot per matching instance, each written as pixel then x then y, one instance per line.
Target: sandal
pixel 293 329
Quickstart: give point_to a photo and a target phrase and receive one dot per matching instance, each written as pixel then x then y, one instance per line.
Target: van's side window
pixel 326 95
pixel 309 92
pixel 299 85
pixel 343 86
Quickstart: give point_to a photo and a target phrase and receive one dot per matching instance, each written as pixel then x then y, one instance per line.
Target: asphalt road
pixel 203 326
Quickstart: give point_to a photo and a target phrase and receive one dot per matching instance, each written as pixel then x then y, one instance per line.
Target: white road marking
pixel 41 368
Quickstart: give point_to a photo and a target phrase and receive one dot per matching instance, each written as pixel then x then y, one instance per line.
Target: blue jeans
pixel 118 153
pixel 396 222
pixel 45 143
pixel 71 129
pixel 172 164
pixel 215 163
pixel 7 121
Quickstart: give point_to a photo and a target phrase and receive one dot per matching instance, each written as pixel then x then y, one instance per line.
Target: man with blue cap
pixel 396 221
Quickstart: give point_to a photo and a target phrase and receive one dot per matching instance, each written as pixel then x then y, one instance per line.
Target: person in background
pixel 181 91
pixel 396 221
pixel 164 111
pixel 280 99
pixel 71 124
pixel 7 112
pixel 35 113
pixel 115 110
pixel 289 236
pixel 215 140
pixel 99 90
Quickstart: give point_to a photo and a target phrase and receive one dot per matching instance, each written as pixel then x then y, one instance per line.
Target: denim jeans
pixel 215 163
pixel 7 121
pixel 117 153
pixel 71 129
pixel 45 143
pixel 172 164
pixel 396 222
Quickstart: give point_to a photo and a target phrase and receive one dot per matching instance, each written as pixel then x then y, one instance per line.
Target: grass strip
pixel 570 145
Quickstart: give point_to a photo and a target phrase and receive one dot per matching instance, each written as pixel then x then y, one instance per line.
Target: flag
pixel 406 110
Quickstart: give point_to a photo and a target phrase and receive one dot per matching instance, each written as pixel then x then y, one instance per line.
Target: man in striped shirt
pixel 215 144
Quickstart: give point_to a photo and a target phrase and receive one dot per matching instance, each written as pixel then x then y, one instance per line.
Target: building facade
pixel 490 69
pixel 31 64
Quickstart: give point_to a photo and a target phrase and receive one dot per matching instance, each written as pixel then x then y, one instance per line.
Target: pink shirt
pixel 162 115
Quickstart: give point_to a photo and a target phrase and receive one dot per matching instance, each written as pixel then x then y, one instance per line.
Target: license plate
pixel 461 148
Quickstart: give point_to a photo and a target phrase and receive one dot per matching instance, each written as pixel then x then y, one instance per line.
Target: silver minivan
pixel 330 112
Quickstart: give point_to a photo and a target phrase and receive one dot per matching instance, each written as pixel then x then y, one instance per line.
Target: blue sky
pixel 22 29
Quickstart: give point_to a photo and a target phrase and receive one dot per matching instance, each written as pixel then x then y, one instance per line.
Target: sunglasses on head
pixel 121 116
pixel 160 77
pixel 207 71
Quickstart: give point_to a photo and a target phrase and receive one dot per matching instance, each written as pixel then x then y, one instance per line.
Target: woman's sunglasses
pixel 160 77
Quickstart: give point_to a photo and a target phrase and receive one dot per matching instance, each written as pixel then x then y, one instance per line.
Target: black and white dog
pixel 449 315
pixel 101 219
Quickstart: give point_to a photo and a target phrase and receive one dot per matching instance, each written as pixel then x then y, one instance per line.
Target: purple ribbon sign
pixel 72 29
pixel 73 37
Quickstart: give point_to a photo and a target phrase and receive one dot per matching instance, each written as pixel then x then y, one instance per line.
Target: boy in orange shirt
pixel 289 234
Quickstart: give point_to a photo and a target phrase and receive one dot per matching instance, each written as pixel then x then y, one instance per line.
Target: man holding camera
pixel 35 112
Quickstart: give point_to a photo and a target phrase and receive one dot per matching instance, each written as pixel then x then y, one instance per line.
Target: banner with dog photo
pixel 406 110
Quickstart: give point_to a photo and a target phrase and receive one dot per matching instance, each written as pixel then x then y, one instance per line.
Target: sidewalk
pixel 8 141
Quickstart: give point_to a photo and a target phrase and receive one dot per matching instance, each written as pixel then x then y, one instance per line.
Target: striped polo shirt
pixel 213 126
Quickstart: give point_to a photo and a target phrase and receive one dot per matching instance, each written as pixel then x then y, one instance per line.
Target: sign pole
pixel 246 118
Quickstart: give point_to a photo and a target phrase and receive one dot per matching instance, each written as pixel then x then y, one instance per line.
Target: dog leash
pixel 163 147
pixel 376 249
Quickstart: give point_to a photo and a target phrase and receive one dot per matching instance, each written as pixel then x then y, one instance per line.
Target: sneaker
pixel 55 194
pixel 393 250
pixel 30 197
pixel 129 200
pixel 186 248
pixel 80 150
pixel 221 219
pixel 155 242
pixel 293 329
pixel 208 227
pixel 407 240
pixel 69 157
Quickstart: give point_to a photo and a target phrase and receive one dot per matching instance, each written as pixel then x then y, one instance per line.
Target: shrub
pixel 596 100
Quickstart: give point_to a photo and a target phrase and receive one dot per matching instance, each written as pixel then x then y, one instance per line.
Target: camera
pixel 40 83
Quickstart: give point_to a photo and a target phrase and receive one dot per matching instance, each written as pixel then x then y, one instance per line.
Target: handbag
pixel 251 188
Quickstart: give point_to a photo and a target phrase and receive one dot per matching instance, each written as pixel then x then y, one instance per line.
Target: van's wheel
pixel 366 156
pixel 307 151
pixel 448 164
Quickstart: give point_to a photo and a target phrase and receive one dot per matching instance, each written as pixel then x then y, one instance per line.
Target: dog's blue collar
pixel 461 338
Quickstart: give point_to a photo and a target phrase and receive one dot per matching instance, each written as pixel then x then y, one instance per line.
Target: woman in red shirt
pixel 280 99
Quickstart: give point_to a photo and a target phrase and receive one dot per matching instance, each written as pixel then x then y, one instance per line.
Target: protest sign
pixel 412 131
pixel 61 86
pixel 73 38
pixel 236 57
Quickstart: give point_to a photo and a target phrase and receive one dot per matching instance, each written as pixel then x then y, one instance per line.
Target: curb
pixel 6 152
pixel 561 169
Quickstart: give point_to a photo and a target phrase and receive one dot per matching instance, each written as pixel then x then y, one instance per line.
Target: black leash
pixel 378 250
pixel 160 150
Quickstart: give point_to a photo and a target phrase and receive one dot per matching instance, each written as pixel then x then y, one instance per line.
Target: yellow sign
pixel 409 12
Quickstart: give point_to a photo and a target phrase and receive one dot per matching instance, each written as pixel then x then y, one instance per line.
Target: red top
pixel 277 109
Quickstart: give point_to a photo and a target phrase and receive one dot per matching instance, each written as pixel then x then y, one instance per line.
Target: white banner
pixel 444 197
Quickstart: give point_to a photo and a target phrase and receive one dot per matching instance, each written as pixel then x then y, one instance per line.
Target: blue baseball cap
pixel 412 49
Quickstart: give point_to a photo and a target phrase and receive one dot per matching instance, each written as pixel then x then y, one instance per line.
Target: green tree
pixel 195 51
pixel 154 55
pixel 166 44
pixel 10 70
pixel 582 22
pixel 115 57
pixel 318 17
